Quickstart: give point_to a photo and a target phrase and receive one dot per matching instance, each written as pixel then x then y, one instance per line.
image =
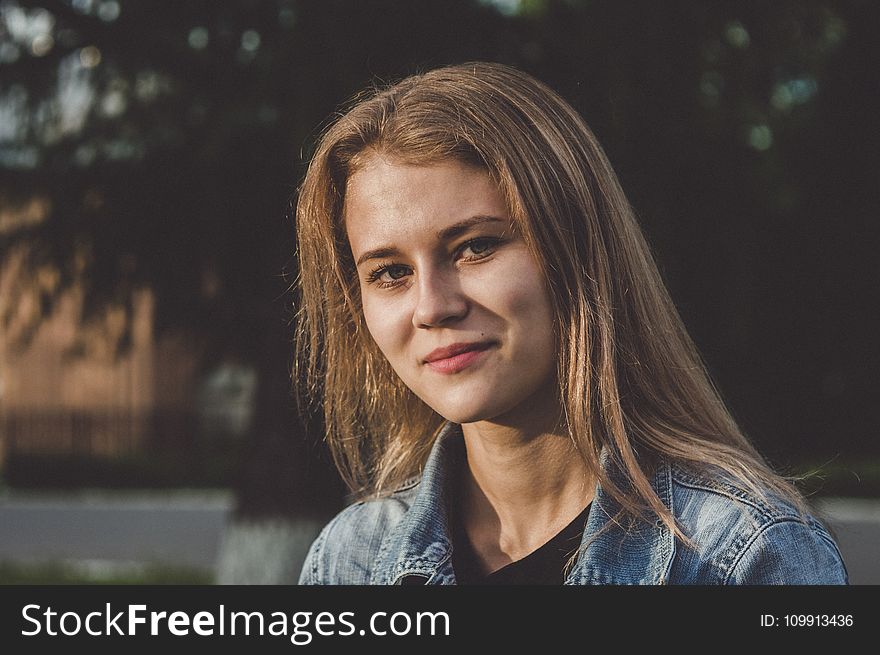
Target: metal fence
pixel 100 433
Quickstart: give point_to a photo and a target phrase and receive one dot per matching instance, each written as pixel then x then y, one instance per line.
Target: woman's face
pixel 451 294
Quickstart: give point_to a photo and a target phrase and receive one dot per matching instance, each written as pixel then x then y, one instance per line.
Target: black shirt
pixel 544 566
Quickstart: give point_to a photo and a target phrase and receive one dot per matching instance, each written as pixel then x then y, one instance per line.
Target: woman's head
pixel 522 151
pixel 486 140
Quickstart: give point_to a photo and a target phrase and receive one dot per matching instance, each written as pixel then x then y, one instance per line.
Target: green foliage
pixel 52 573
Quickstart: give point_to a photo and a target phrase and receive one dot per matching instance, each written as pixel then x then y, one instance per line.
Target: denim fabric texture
pixel 738 539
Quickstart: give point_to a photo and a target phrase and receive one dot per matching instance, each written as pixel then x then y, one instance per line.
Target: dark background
pixel 745 135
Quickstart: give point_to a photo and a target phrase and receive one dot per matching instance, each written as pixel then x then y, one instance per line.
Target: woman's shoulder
pixel 346 549
pixel 743 537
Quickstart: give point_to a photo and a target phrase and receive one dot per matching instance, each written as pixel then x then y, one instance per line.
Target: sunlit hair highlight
pixel 632 384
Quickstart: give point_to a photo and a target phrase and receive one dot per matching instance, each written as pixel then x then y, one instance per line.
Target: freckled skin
pixel 444 291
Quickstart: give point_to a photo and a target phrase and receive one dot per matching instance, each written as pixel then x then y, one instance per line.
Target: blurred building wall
pixel 70 389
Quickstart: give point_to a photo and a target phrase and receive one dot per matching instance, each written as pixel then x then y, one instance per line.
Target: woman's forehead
pixel 388 197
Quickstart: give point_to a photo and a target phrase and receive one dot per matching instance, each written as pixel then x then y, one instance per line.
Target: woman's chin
pixel 472 403
pixel 466 410
pixel 460 412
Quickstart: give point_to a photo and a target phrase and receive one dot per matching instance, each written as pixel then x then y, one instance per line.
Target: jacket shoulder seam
pixel 766 511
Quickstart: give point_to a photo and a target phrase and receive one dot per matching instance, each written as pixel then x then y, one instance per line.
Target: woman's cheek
pixel 386 323
pixel 517 295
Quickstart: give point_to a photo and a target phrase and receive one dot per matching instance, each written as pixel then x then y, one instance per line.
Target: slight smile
pixel 456 357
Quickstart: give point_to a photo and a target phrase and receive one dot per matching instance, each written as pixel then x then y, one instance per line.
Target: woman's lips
pixel 455 358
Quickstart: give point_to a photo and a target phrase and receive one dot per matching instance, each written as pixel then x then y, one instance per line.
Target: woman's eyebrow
pixel 446 234
pixel 457 229
pixel 377 253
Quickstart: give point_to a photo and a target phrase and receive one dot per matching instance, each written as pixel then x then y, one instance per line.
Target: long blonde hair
pixel 632 382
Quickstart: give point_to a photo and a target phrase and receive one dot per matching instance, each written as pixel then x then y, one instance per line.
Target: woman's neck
pixel 521 486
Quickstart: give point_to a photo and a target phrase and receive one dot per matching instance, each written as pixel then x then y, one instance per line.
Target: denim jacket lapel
pixel 421 544
pixel 632 554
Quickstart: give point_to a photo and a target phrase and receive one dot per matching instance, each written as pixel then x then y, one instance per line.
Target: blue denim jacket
pixel 738 539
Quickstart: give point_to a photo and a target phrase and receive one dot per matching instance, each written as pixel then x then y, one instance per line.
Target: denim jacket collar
pixel 420 546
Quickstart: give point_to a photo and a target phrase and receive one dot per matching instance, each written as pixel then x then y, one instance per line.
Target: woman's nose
pixel 440 300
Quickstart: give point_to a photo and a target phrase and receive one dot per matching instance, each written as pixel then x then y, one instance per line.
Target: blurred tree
pixel 166 143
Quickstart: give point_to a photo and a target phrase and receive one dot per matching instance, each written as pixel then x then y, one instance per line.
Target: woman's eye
pixel 388 275
pixel 395 272
pixel 478 248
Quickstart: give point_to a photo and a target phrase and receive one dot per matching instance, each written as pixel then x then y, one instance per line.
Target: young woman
pixel 507 386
